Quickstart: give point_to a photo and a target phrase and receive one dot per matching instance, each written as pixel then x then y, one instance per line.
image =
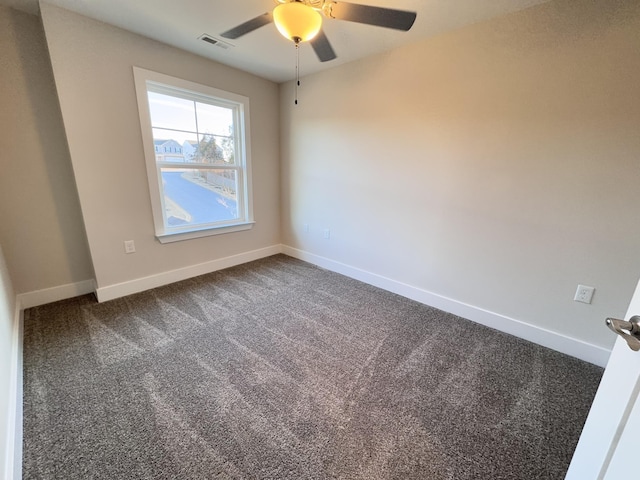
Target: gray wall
pixel 497 165
pixel 41 227
pixel 7 334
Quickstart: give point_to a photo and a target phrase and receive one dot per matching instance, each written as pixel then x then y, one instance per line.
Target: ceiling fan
pixel 301 20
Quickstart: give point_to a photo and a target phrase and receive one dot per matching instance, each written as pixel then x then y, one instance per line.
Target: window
pixel 197 156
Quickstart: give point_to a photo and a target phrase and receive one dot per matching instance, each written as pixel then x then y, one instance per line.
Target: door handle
pixel 630 330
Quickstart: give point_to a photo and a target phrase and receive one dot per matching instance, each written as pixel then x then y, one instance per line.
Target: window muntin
pixel 196 155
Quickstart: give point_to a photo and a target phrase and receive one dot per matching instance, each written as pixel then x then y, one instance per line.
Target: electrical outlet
pixel 584 294
pixel 326 234
pixel 129 246
pixel 305 227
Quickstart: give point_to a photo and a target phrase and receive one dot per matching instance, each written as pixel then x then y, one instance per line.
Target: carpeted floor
pixel 280 370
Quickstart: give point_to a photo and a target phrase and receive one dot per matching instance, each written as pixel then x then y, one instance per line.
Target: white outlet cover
pixel 129 246
pixel 584 294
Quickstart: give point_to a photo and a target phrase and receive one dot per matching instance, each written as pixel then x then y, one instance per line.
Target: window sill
pixel 205 232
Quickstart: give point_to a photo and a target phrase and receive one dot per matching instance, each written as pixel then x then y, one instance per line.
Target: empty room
pixel 284 239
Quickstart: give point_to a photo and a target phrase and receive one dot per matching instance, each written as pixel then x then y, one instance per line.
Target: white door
pixel 607 449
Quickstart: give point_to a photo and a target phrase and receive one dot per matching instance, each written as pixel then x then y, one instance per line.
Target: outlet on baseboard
pixel 326 234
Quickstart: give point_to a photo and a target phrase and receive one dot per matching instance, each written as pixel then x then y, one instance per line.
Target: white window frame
pixel 159 82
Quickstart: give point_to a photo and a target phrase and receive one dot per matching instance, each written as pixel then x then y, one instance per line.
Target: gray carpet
pixel 280 370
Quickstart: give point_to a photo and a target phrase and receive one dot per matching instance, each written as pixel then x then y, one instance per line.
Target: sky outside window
pixel 179 118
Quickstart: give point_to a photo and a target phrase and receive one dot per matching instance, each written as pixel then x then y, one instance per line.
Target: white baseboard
pixel 547 338
pixel 13 459
pixel 146 283
pixel 54 294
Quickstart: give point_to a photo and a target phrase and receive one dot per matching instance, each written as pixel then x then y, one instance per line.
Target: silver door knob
pixel 630 330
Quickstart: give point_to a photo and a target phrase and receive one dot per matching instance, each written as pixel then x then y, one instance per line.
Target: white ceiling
pixel 264 52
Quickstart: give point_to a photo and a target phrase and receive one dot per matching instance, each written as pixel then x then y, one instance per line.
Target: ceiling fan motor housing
pixel 297 21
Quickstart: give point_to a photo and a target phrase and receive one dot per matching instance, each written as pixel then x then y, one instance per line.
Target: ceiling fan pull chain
pixel 297 70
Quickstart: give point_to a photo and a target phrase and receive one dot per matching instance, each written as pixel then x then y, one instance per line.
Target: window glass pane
pixel 171 112
pixel 200 166
pixel 215 150
pixel 214 120
pixel 199 196
pixel 172 146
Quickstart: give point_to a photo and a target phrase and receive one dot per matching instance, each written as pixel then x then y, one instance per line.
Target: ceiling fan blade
pixel 322 47
pixel 248 27
pixel 379 16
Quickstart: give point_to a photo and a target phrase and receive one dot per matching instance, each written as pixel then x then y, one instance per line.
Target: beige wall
pixel 41 227
pixel 92 65
pixel 498 165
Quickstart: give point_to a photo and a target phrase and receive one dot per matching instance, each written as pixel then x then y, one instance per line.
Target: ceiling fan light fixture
pixel 296 21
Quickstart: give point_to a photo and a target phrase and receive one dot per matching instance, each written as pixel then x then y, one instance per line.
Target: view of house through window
pixel 199 163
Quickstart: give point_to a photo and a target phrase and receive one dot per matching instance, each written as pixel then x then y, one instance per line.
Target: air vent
pixel 205 37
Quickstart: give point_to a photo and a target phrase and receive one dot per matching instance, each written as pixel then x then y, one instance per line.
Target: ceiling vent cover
pixel 205 37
